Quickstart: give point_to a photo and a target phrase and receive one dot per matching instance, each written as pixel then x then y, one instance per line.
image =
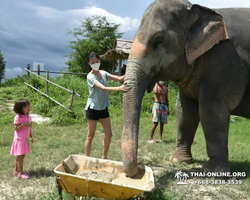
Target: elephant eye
pixel 158 42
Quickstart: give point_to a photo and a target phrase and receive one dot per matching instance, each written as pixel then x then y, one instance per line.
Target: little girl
pixel 20 145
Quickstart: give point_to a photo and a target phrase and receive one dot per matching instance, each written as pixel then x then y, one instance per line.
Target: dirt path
pixel 35 117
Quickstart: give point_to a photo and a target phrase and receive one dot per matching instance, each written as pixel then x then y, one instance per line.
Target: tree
pixel 95 34
pixel 2 66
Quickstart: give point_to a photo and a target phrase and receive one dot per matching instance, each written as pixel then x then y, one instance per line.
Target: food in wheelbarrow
pixel 88 176
pixel 121 178
pixel 104 176
pixel 97 175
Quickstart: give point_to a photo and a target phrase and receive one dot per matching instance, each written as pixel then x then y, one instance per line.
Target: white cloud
pixel 12 73
pixel 222 3
pixel 71 18
pixel 135 23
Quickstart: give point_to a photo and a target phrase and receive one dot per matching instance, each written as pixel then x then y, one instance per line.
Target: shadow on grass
pixel 240 166
pixel 157 194
pixel 42 172
pixel 170 141
pixel 236 167
pixel 160 193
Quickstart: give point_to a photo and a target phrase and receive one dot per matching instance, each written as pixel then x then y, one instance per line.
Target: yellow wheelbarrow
pixel 87 176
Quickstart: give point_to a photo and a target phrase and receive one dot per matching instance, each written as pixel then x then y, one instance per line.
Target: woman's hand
pixel 122 78
pixel 31 140
pixel 121 87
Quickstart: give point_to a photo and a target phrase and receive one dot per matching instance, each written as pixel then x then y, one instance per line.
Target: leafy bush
pixel 37 82
pixel 44 106
pixel 15 81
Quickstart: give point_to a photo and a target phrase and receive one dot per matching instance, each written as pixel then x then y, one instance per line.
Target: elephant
pixel 206 53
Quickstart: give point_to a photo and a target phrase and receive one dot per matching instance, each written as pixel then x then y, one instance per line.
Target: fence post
pixel 71 99
pixel 47 83
pixel 28 74
pixel 38 70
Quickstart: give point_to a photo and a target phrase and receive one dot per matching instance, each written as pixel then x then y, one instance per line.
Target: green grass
pixel 66 135
pixel 53 143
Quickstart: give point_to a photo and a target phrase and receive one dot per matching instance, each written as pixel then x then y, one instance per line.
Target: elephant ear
pixel 207 30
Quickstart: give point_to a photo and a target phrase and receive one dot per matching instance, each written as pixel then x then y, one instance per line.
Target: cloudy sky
pixel 35 30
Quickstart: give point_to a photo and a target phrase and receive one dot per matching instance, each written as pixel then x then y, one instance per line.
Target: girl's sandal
pixel 23 176
pixel 15 173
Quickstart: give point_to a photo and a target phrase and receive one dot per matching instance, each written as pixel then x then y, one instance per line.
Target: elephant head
pixel 171 36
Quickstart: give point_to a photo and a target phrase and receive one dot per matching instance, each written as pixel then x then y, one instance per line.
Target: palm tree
pixel 178 175
pixel 185 176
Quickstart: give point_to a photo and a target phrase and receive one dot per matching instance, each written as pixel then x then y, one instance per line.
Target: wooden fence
pixel 72 92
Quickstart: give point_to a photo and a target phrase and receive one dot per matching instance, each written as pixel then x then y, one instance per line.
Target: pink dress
pixel 20 145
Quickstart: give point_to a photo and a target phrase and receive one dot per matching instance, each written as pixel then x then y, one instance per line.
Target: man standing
pixel 160 109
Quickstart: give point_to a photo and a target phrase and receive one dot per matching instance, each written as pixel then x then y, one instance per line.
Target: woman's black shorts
pixel 97 114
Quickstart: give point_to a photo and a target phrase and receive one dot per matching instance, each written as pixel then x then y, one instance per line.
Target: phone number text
pixel 218 182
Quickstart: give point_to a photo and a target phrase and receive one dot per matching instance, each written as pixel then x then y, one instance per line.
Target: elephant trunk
pixel 130 134
pixel 135 86
pixel 131 115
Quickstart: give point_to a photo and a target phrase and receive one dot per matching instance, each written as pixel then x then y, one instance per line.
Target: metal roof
pixel 120 51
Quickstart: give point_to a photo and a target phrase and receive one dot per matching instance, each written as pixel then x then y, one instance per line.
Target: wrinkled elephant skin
pixel 206 53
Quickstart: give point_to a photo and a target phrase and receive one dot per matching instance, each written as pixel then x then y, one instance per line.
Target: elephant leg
pixel 243 109
pixel 215 117
pixel 187 118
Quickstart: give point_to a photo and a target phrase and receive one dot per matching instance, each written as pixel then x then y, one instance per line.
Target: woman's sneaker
pixel 151 141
